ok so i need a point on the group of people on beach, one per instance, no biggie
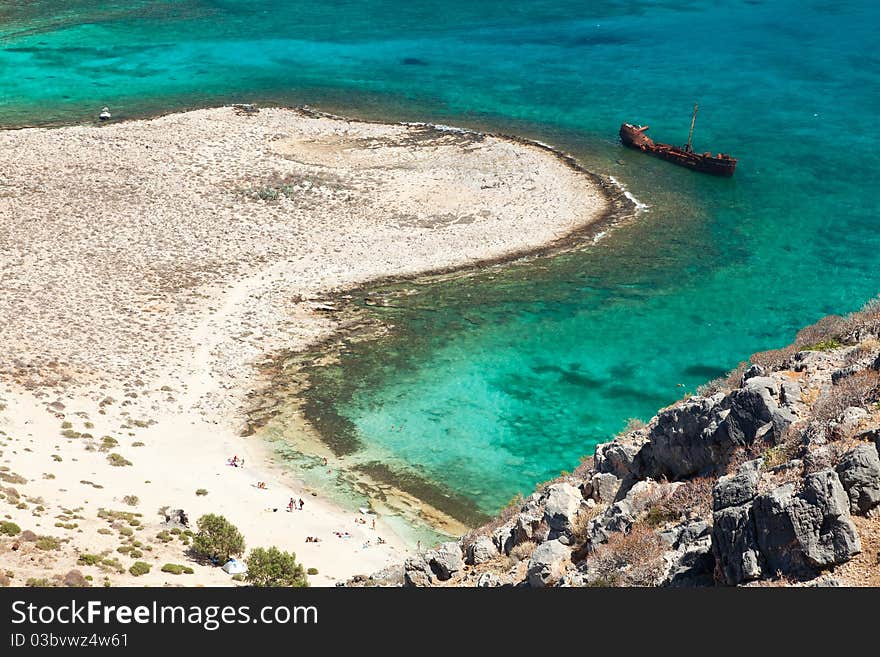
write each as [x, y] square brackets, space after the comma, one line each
[298, 504]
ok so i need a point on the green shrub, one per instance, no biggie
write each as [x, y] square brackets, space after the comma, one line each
[89, 559]
[177, 569]
[111, 564]
[312, 571]
[42, 582]
[201, 492]
[48, 543]
[131, 500]
[117, 460]
[217, 538]
[9, 528]
[823, 345]
[272, 567]
[12, 478]
[139, 568]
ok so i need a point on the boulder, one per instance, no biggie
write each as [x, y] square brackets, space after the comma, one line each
[682, 439]
[481, 550]
[488, 580]
[503, 537]
[445, 561]
[693, 565]
[547, 563]
[416, 572]
[802, 532]
[615, 458]
[752, 408]
[604, 487]
[753, 371]
[739, 488]
[644, 494]
[561, 506]
[528, 526]
[859, 473]
[790, 392]
[735, 545]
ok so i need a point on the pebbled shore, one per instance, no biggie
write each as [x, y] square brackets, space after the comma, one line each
[149, 268]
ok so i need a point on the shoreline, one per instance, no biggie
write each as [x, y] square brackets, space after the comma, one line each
[212, 361]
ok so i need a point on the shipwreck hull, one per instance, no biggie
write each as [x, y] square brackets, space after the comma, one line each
[716, 165]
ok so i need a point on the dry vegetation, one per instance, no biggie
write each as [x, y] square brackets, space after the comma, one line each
[634, 558]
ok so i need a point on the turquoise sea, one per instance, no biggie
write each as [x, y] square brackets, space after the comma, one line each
[495, 382]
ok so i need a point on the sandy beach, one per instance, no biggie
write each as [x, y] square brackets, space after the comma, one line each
[149, 268]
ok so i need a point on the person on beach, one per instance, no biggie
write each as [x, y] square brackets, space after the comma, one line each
[290, 505]
[301, 504]
[233, 461]
[325, 461]
[374, 524]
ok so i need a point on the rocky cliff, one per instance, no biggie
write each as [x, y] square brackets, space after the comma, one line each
[770, 476]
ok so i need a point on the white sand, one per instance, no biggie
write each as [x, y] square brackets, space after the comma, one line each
[143, 279]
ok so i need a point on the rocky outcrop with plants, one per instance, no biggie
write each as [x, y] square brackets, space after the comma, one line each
[768, 477]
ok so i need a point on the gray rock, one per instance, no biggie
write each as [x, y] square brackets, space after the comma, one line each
[561, 506]
[751, 409]
[844, 372]
[547, 563]
[615, 458]
[686, 533]
[416, 572]
[739, 488]
[488, 580]
[859, 473]
[810, 530]
[691, 566]
[852, 416]
[481, 550]
[529, 526]
[735, 546]
[503, 537]
[752, 372]
[604, 486]
[641, 495]
[811, 361]
[445, 561]
[790, 392]
[682, 440]
[691, 532]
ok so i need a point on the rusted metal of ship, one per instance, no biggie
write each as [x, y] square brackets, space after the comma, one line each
[718, 165]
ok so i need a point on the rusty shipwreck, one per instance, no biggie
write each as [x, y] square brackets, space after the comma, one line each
[718, 165]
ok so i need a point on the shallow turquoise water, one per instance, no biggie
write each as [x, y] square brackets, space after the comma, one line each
[501, 383]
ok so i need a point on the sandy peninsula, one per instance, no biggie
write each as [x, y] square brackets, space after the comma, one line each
[148, 268]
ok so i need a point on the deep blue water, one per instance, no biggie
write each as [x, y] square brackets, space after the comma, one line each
[501, 383]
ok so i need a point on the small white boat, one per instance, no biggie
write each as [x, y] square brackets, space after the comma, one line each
[105, 114]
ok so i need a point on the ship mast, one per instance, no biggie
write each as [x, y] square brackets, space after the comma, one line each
[691, 133]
